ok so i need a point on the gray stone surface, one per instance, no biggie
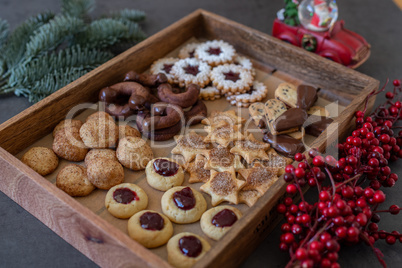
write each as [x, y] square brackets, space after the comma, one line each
[24, 241]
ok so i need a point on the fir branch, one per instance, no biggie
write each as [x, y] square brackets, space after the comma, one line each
[134, 32]
[72, 57]
[4, 31]
[103, 33]
[51, 35]
[15, 45]
[54, 81]
[129, 14]
[77, 8]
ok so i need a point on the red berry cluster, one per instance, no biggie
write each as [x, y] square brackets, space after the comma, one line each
[349, 190]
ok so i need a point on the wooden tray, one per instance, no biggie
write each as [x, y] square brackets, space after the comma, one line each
[99, 239]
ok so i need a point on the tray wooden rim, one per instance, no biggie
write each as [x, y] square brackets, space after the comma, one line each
[256, 217]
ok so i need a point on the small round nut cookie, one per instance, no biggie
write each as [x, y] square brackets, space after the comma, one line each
[216, 221]
[99, 116]
[183, 204]
[150, 228]
[134, 153]
[94, 154]
[67, 124]
[102, 133]
[164, 173]
[105, 173]
[73, 180]
[68, 145]
[126, 199]
[185, 249]
[128, 131]
[41, 159]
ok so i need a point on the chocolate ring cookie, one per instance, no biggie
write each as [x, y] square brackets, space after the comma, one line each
[159, 134]
[196, 114]
[184, 100]
[163, 115]
[148, 80]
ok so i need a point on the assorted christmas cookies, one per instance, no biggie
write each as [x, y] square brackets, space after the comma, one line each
[41, 159]
[150, 228]
[215, 52]
[164, 173]
[183, 204]
[126, 199]
[73, 180]
[217, 221]
[185, 249]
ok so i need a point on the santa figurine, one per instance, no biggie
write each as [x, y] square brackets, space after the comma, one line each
[321, 20]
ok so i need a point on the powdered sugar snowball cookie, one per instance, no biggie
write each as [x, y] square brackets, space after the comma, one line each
[150, 228]
[126, 199]
[191, 71]
[210, 93]
[41, 159]
[73, 180]
[231, 78]
[188, 50]
[215, 52]
[134, 153]
[183, 204]
[217, 221]
[245, 63]
[164, 173]
[164, 66]
[185, 249]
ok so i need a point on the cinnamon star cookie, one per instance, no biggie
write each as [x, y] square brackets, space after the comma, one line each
[223, 186]
[223, 134]
[221, 159]
[197, 171]
[217, 117]
[276, 161]
[259, 178]
[189, 145]
[250, 149]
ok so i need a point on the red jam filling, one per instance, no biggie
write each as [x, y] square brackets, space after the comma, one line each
[165, 167]
[250, 91]
[224, 218]
[167, 68]
[232, 76]
[191, 54]
[214, 51]
[189, 69]
[152, 221]
[184, 199]
[124, 196]
[190, 246]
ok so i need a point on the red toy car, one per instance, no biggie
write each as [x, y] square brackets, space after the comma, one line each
[337, 44]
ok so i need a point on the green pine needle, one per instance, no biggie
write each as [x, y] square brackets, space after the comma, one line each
[129, 14]
[77, 8]
[4, 31]
[48, 52]
[52, 34]
[16, 43]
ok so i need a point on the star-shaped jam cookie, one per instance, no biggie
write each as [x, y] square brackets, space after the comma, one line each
[223, 186]
[217, 118]
[221, 159]
[259, 178]
[251, 149]
[223, 134]
[189, 145]
[249, 197]
[276, 161]
[197, 171]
